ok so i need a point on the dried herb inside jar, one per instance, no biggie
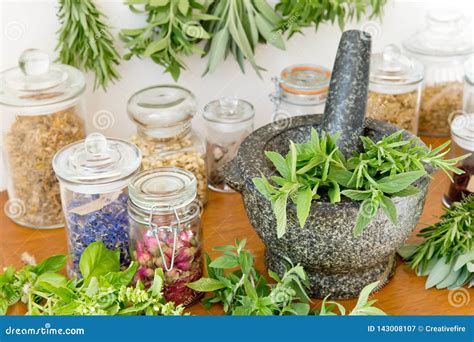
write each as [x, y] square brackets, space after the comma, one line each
[437, 103]
[397, 109]
[30, 146]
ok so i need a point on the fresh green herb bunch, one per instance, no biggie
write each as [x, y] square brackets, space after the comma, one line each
[244, 291]
[173, 30]
[103, 290]
[304, 13]
[383, 170]
[15, 286]
[85, 41]
[446, 255]
[242, 26]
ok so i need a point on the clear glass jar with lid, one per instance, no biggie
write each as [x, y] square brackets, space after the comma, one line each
[300, 90]
[442, 46]
[228, 122]
[395, 88]
[94, 175]
[462, 136]
[468, 93]
[166, 230]
[163, 115]
[41, 113]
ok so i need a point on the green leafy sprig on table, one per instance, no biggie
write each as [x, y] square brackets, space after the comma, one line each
[104, 289]
[85, 41]
[382, 171]
[242, 26]
[242, 290]
[446, 254]
[173, 29]
[298, 14]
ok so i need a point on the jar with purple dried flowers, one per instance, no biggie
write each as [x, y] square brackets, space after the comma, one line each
[94, 174]
[166, 230]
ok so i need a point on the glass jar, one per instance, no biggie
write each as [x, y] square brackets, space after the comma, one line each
[165, 136]
[468, 93]
[41, 113]
[166, 230]
[300, 90]
[395, 88]
[442, 46]
[462, 135]
[228, 122]
[94, 175]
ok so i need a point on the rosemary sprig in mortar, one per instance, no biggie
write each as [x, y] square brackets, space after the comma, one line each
[85, 41]
[383, 170]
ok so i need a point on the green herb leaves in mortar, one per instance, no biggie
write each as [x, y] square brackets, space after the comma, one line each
[382, 171]
[104, 290]
[242, 26]
[446, 255]
[304, 13]
[173, 29]
[242, 290]
[85, 41]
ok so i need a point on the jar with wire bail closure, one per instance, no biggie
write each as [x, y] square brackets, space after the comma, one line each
[300, 90]
[166, 230]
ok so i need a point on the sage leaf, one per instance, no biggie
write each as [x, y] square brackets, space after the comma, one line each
[439, 272]
[266, 30]
[397, 183]
[463, 259]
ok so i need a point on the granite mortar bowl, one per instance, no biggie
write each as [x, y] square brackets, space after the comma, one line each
[338, 263]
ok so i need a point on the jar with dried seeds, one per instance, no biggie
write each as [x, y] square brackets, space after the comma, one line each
[94, 175]
[163, 115]
[41, 113]
[395, 88]
[442, 46]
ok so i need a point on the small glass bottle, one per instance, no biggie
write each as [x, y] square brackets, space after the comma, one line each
[300, 90]
[442, 46]
[462, 135]
[94, 175]
[42, 112]
[395, 88]
[228, 121]
[166, 230]
[165, 136]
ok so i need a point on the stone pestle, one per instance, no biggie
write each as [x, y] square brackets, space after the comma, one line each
[347, 99]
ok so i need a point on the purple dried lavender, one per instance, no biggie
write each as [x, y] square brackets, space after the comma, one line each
[109, 224]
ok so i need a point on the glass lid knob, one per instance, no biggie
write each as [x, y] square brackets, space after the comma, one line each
[229, 105]
[34, 62]
[95, 144]
[391, 58]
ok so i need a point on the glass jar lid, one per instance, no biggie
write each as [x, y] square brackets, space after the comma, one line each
[391, 67]
[305, 79]
[162, 110]
[165, 187]
[462, 130]
[469, 70]
[38, 83]
[229, 114]
[96, 160]
[447, 33]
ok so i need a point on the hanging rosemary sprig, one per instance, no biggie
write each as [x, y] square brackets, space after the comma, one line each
[85, 41]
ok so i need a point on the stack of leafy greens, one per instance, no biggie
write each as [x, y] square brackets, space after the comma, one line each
[446, 255]
[103, 290]
[245, 291]
[382, 171]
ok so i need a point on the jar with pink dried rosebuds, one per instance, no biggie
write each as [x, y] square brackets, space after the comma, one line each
[165, 230]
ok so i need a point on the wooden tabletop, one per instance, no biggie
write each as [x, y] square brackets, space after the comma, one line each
[224, 220]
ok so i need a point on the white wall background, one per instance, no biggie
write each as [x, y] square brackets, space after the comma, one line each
[33, 24]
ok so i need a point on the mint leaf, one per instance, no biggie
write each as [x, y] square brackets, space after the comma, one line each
[357, 195]
[225, 261]
[397, 183]
[279, 208]
[367, 211]
[206, 285]
[279, 163]
[389, 209]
